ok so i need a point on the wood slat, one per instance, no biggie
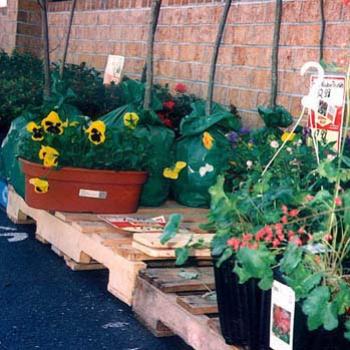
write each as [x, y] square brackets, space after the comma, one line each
[95, 227]
[197, 305]
[170, 253]
[152, 240]
[169, 281]
[70, 217]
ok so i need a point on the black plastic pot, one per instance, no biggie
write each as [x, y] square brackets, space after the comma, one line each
[244, 313]
[242, 309]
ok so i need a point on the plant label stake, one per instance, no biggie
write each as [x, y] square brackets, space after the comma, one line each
[326, 120]
[308, 102]
[282, 317]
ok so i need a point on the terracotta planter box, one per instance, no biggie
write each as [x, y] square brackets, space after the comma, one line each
[84, 190]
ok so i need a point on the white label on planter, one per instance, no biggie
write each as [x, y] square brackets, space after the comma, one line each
[282, 317]
[92, 194]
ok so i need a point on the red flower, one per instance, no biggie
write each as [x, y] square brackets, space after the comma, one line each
[309, 197]
[284, 209]
[253, 246]
[301, 230]
[169, 104]
[260, 234]
[291, 234]
[247, 237]
[294, 212]
[328, 237]
[276, 242]
[279, 226]
[180, 88]
[167, 122]
[346, 2]
[234, 243]
[297, 241]
[284, 219]
[338, 201]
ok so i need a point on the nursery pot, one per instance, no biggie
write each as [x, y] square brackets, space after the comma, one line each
[244, 313]
[242, 309]
[84, 190]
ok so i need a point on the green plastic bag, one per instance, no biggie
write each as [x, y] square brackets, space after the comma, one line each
[160, 141]
[9, 164]
[205, 150]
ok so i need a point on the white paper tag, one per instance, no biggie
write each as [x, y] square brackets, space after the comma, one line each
[114, 69]
[282, 317]
[92, 194]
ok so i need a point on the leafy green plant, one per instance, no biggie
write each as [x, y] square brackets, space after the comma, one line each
[21, 85]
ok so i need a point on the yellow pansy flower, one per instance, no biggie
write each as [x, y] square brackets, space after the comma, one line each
[131, 120]
[173, 173]
[40, 186]
[288, 136]
[49, 156]
[207, 140]
[36, 130]
[96, 132]
[53, 124]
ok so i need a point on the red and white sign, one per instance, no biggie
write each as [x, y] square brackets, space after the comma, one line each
[327, 121]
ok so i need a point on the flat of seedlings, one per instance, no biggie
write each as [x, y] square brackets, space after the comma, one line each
[86, 242]
[178, 301]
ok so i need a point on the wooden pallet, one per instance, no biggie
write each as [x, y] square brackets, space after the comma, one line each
[168, 303]
[86, 242]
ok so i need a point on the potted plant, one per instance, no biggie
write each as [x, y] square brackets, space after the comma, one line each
[76, 164]
[244, 205]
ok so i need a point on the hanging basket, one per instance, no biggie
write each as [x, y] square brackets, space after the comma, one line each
[83, 190]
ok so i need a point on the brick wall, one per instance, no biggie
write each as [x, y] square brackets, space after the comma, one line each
[184, 39]
[29, 26]
[20, 26]
[8, 26]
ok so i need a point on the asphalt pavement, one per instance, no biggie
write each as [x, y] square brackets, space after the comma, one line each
[45, 305]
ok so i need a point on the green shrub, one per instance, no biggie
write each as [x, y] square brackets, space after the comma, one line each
[21, 85]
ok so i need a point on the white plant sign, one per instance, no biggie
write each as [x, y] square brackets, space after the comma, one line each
[114, 69]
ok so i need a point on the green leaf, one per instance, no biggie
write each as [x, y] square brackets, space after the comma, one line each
[256, 264]
[319, 310]
[224, 256]
[291, 258]
[302, 281]
[182, 255]
[188, 275]
[346, 201]
[328, 170]
[171, 228]
[342, 298]
[347, 327]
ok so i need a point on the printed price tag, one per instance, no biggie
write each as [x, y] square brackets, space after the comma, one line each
[282, 317]
[326, 122]
[92, 194]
